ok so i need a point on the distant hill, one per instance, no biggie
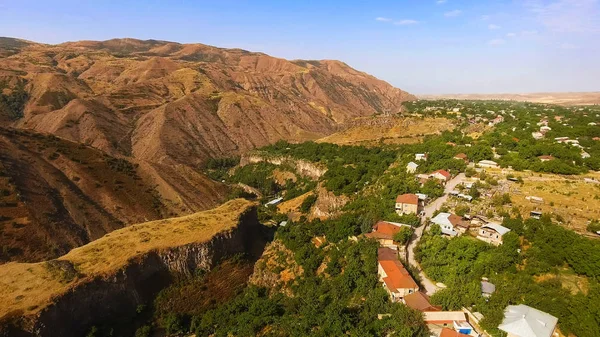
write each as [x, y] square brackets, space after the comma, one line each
[562, 98]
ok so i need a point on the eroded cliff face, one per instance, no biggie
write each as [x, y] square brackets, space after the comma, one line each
[302, 167]
[110, 298]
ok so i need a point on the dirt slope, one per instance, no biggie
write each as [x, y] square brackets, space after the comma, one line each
[56, 195]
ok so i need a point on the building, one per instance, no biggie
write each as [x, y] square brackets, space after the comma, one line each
[384, 232]
[545, 158]
[420, 301]
[492, 233]
[525, 321]
[407, 204]
[411, 167]
[462, 156]
[274, 202]
[487, 289]
[585, 155]
[395, 278]
[420, 156]
[441, 175]
[537, 135]
[444, 318]
[451, 333]
[488, 164]
[448, 223]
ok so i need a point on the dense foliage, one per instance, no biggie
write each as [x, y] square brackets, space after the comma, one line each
[533, 276]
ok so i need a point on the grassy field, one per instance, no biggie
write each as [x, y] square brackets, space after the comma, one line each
[570, 198]
[26, 288]
[370, 131]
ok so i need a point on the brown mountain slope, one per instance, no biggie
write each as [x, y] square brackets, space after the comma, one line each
[56, 195]
[164, 106]
[167, 102]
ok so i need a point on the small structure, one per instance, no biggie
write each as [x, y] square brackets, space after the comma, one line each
[535, 215]
[395, 278]
[283, 224]
[420, 301]
[525, 321]
[411, 167]
[462, 156]
[534, 199]
[441, 175]
[274, 202]
[445, 318]
[492, 233]
[465, 196]
[545, 158]
[421, 156]
[537, 135]
[452, 333]
[585, 155]
[384, 232]
[488, 164]
[487, 289]
[448, 223]
[422, 197]
[407, 204]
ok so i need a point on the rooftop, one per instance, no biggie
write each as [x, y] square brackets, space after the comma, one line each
[496, 227]
[419, 301]
[408, 198]
[525, 321]
[452, 333]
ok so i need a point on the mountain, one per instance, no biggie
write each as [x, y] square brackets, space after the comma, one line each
[159, 110]
[167, 102]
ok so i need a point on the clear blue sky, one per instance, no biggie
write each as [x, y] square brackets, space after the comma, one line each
[423, 46]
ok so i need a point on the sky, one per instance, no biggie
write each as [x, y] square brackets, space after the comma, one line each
[422, 46]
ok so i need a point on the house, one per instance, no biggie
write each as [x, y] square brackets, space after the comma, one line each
[596, 138]
[488, 163]
[462, 156]
[487, 289]
[444, 318]
[420, 156]
[441, 175]
[411, 167]
[592, 123]
[407, 204]
[448, 223]
[492, 233]
[537, 135]
[525, 321]
[545, 129]
[384, 232]
[465, 196]
[545, 158]
[585, 155]
[452, 333]
[561, 139]
[395, 278]
[420, 301]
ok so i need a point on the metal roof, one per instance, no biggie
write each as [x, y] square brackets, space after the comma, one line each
[497, 227]
[525, 321]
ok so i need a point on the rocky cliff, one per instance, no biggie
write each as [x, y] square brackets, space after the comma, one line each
[91, 286]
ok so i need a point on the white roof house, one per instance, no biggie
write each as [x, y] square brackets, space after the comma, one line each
[497, 227]
[274, 202]
[487, 163]
[525, 321]
[411, 167]
[444, 220]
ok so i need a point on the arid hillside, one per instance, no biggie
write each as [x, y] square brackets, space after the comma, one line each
[157, 110]
[166, 102]
[56, 195]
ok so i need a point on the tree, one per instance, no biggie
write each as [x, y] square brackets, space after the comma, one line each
[435, 229]
[308, 203]
[404, 235]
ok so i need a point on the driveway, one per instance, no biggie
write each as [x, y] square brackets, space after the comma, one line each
[430, 287]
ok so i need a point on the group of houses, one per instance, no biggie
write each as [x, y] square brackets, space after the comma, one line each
[454, 225]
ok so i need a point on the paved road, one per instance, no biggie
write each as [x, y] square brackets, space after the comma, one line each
[430, 287]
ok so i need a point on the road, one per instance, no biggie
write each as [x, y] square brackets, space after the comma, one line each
[430, 287]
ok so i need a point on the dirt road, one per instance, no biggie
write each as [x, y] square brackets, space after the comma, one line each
[430, 287]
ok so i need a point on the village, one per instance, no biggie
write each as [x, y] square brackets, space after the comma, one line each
[519, 320]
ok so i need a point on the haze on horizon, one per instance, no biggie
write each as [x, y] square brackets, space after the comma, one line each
[424, 47]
